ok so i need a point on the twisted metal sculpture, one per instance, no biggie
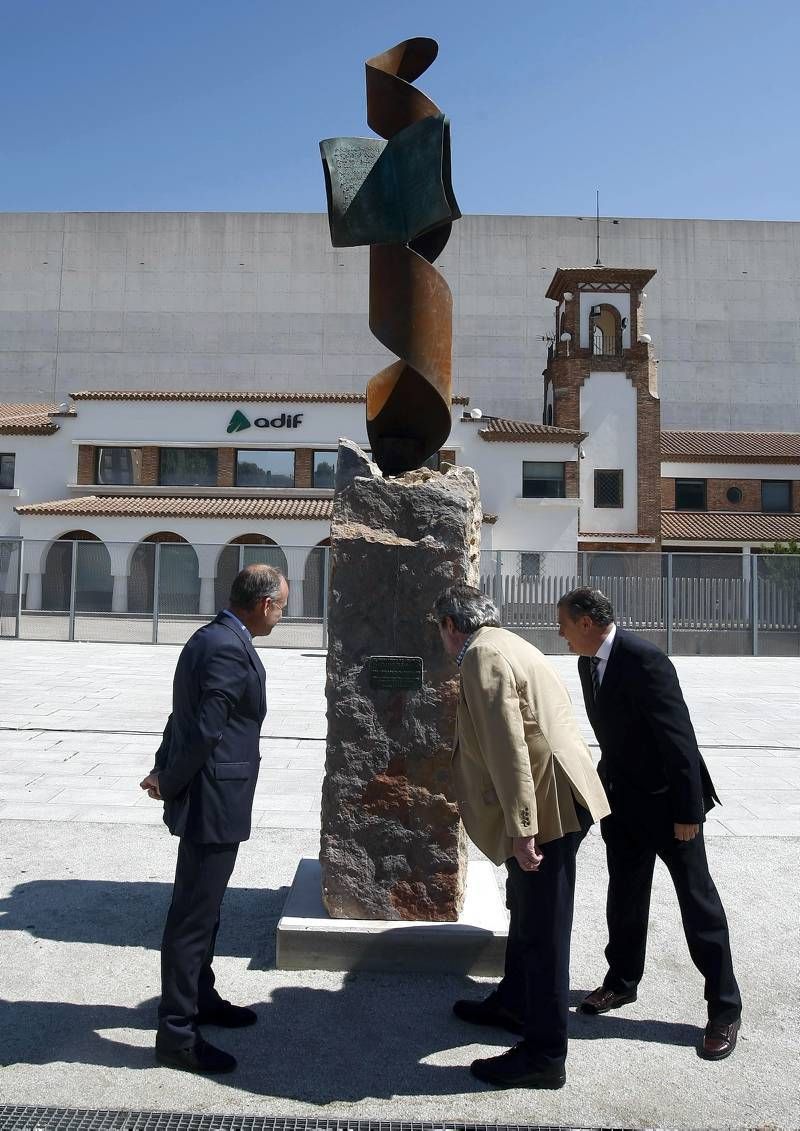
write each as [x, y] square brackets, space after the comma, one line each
[396, 195]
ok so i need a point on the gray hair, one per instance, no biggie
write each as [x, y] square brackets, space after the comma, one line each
[468, 608]
[588, 602]
[253, 584]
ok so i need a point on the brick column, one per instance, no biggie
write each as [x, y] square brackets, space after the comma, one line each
[226, 467]
[150, 464]
[304, 467]
[86, 469]
[571, 484]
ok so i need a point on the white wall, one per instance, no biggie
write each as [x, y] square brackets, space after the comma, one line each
[608, 414]
[46, 466]
[205, 423]
[524, 524]
[43, 466]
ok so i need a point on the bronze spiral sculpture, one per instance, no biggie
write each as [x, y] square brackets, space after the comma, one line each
[396, 195]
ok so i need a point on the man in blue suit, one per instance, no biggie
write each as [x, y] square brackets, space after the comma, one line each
[205, 772]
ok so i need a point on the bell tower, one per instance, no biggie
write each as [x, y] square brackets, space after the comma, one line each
[601, 379]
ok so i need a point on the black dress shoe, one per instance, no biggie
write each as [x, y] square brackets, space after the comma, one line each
[601, 1000]
[488, 1012]
[201, 1057]
[227, 1015]
[718, 1040]
[513, 1069]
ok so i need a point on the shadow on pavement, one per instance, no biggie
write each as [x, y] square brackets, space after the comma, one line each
[372, 1037]
[111, 913]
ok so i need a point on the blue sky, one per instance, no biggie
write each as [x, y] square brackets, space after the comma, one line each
[686, 108]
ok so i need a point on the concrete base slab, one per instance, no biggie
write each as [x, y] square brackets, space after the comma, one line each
[309, 939]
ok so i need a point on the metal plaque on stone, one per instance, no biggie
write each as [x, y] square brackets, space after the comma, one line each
[395, 673]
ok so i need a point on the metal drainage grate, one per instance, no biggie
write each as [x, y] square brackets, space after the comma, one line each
[19, 1117]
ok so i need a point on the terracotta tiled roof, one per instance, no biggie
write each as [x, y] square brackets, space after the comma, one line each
[731, 447]
[726, 526]
[265, 397]
[567, 278]
[521, 431]
[27, 419]
[150, 506]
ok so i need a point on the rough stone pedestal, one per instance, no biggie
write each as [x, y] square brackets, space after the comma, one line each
[392, 845]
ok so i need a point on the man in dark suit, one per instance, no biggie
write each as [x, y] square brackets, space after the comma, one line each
[205, 772]
[659, 790]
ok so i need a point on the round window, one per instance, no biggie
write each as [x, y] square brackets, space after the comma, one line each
[734, 495]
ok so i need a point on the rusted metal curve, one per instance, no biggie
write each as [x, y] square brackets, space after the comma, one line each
[397, 197]
[410, 305]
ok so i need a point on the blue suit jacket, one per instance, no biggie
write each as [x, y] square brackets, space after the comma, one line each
[209, 757]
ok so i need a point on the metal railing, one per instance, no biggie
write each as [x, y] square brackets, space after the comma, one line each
[159, 592]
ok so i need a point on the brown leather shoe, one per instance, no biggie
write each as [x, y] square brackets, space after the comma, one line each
[718, 1040]
[601, 1000]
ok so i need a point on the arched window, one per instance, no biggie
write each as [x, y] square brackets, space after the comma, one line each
[240, 552]
[314, 581]
[93, 581]
[178, 575]
[605, 330]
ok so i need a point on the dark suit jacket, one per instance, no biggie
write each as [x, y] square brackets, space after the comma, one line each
[209, 757]
[650, 765]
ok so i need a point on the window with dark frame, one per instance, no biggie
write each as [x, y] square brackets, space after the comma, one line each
[324, 470]
[265, 468]
[608, 488]
[187, 467]
[7, 464]
[776, 495]
[690, 494]
[530, 565]
[543, 480]
[118, 467]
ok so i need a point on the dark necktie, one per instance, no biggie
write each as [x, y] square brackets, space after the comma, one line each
[595, 669]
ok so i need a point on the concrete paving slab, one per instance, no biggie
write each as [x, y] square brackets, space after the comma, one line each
[82, 913]
[78, 961]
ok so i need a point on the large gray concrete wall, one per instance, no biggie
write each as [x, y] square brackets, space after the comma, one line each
[262, 301]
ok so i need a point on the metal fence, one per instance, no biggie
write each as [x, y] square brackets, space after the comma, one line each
[160, 591]
[687, 603]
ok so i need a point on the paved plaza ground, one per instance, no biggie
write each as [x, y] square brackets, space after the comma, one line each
[85, 873]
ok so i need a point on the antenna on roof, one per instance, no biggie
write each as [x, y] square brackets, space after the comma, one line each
[597, 225]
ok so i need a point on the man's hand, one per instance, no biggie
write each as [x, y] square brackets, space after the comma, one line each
[685, 832]
[527, 854]
[150, 783]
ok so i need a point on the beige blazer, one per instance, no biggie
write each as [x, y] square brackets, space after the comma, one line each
[518, 757]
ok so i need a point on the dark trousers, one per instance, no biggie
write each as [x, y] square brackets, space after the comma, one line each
[535, 984]
[190, 934]
[631, 859]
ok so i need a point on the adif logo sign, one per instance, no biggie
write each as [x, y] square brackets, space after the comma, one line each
[238, 422]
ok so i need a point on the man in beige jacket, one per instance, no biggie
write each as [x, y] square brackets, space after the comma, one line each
[528, 792]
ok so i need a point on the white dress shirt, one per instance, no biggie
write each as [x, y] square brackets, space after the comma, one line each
[603, 652]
